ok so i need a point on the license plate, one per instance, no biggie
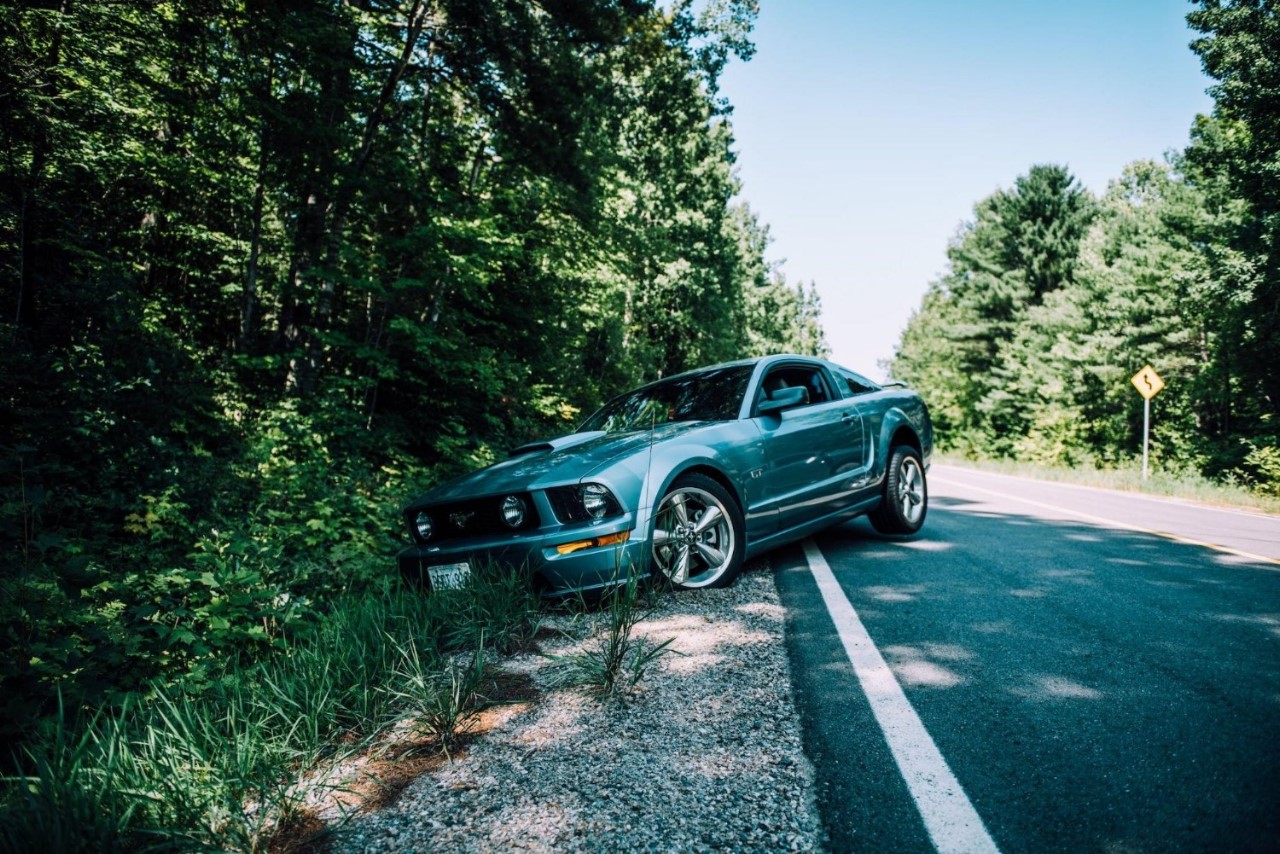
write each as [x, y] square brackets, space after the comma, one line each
[449, 576]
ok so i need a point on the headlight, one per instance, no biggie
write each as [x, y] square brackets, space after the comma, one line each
[595, 500]
[587, 502]
[423, 525]
[513, 511]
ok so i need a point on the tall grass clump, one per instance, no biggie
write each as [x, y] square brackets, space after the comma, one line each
[614, 661]
[66, 799]
[499, 604]
[440, 698]
[231, 762]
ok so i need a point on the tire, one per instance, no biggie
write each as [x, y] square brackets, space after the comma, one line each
[906, 494]
[697, 535]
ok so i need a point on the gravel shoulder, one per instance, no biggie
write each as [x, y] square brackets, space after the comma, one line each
[705, 753]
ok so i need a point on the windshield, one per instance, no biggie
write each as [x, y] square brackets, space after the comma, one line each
[714, 395]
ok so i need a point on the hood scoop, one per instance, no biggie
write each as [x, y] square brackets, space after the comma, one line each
[558, 443]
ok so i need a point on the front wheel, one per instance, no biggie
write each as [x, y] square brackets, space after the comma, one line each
[906, 494]
[697, 534]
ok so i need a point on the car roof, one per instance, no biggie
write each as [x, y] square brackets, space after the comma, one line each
[757, 360]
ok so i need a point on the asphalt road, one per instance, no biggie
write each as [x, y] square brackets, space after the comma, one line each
[1084, 682]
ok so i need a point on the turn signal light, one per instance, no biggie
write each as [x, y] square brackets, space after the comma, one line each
[606, 540]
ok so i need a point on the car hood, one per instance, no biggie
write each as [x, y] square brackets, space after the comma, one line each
[564, 459]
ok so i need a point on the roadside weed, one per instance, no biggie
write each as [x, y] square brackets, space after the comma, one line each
[615, 661]
[439, 699]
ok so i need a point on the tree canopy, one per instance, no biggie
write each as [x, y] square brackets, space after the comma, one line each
[271, 265]
[1053, 298]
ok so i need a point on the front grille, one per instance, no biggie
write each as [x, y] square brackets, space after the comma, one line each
[473, 518]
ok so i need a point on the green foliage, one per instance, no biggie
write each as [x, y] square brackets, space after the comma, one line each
[268, 268]
[1262, 465]
[1011, 262]
[1025, 347]
[226, 764]
[1054, 300]
[440, 699]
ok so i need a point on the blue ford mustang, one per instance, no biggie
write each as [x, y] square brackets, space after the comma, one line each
[688, 477]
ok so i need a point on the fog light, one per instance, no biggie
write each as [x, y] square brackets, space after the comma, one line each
[424, 525]
[513, 511]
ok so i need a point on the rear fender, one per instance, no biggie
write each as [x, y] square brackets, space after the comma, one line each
[897, 428]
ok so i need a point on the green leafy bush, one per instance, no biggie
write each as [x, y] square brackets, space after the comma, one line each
[226, 761]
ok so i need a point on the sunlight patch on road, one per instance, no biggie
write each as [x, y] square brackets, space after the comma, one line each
[1080, 576]
[894, 593]
[919, 673]
[1057, 688]
[925, 545]
[1084, 538]
[1269, 622]
[918, 666]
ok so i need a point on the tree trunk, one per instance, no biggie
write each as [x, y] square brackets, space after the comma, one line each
[247, 318]
[31, 264]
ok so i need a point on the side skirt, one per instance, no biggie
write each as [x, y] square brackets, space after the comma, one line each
[791, 535]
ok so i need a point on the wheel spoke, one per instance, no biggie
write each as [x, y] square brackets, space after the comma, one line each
[661, 537]
[713, 556]
[678, 508]
[681, 573]
[712, 516]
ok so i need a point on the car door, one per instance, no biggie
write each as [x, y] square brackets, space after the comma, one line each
[868, 399]
[812, 450]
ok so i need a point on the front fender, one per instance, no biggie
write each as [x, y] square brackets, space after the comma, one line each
[641, 479]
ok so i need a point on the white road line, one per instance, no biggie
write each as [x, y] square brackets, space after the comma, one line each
[1113, 523]
[949, 817]
[1128, 494]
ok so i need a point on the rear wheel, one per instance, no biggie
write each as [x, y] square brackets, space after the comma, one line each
[697, 534]
[906, 494]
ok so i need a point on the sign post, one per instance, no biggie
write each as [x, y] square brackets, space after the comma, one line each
[1148, 384]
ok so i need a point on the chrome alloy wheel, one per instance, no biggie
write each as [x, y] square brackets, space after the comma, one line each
[693, 538]
[911, 493]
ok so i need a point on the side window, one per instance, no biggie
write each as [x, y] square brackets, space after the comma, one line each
[855, 385]
[790, 376]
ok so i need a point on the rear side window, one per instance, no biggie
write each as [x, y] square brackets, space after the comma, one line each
[854, 385]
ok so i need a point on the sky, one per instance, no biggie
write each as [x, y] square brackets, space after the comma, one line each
[866, 132]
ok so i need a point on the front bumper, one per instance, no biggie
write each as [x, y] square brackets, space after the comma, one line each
[553, 574]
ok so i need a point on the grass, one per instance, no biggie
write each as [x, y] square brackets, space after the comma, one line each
[1185, 485]
[441, 700]
[614, 661]
[233, 764]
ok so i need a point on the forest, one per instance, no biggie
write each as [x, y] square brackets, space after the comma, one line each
[272, 266]
[1053, 298]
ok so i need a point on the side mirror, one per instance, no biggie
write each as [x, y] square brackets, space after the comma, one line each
[784, 398]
